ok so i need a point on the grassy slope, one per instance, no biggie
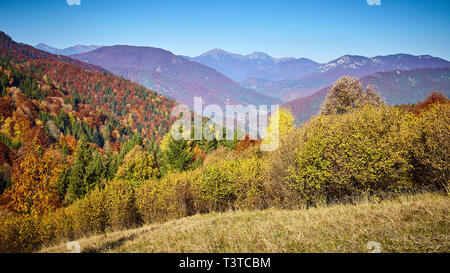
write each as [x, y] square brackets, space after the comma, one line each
[419, 223]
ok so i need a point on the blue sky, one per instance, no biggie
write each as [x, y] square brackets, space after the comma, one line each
[318, 29]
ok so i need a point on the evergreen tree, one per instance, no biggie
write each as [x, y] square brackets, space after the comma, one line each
[178, 155]
[94, 171]
[154, 149]
[63, 183]
[111, 164]
[77, 181]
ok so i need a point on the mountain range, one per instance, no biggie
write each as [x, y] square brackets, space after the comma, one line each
[222, 77]
[77, 49]
[326, 74]
[173, 76]
[395, 87]
[256, 65]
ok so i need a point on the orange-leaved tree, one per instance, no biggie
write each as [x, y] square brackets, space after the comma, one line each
[34, 177]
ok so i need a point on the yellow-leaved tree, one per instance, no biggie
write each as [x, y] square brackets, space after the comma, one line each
[286, 124]
[138, 165]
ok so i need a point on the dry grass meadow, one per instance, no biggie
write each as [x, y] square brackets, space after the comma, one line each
[415, 223]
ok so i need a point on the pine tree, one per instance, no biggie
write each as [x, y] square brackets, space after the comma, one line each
[94, 172]
[111, 164]
[177, 155]
[78, 186]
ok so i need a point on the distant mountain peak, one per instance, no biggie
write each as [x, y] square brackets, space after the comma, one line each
[257, 55]
[24, 52]
[77, 49]
[46, 47]
[258, 65]
[42, 44]
[215, 52]
[172, 75]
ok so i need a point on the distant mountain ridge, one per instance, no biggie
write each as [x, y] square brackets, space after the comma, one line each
[222, 77]
[256, 65]
[351, 65]
[396, 87]
[77, 49]
[24, 52]
[172, 75]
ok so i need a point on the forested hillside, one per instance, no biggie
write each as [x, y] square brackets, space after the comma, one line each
[357, 148]
[65, 129]
[23, 52]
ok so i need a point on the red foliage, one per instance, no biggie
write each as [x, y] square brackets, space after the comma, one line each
[23, 52]
[245, 144]
[4, 154]
[432, 99]
[150, 110]
[37, 136]
[6, 108]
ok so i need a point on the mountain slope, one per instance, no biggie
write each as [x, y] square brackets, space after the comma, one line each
[23, 52]
[256, 65]
[112, 107]
[77, 49]
[172, 75]
[355, 66]
[396, 87]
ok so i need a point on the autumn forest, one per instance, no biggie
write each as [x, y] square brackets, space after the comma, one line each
[84, 152]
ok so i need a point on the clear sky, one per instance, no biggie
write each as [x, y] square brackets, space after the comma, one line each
[318, 29]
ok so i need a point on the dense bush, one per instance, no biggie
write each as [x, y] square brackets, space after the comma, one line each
[20, 234]
[365, 151]
[138, 165]
[281, 188]
[218, 184]
[233, 184]
[174, 196]
[431, 152]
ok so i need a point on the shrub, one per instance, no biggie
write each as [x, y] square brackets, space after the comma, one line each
[219, 155]
[365, 151]
[138, 165]
[431, 153]
[121, 205]
[218, 185]
[174, 196]
[280, 165]
[285, 121]
[90, 213]
[233, 184]
[20, 233]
